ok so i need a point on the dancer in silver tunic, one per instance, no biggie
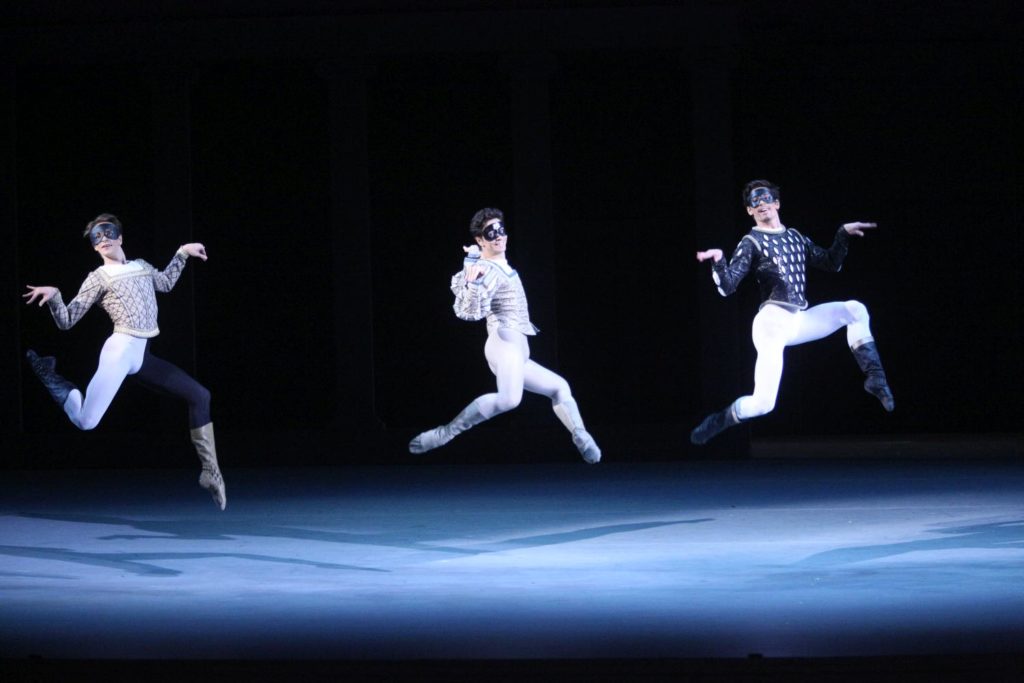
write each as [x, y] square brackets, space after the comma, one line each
[126, 291]
[778, 255]
[488, 287]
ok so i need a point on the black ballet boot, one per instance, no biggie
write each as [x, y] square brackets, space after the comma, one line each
[876, 383]
[45, 369]
[714, 424]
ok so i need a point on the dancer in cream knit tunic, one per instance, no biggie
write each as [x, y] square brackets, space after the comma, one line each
[126, 290]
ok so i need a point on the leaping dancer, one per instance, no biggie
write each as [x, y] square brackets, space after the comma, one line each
[778, 256]
[126, 290]
[488, 287]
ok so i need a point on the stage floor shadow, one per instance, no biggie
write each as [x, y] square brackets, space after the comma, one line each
[657, 561]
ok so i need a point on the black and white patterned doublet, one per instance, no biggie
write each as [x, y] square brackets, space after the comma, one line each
[779, 260]
[497, 295]
[127, 292]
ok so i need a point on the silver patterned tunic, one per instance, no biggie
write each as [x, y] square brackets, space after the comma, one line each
[125, 291]
[497, 295]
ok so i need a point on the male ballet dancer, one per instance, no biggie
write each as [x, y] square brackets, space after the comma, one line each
[488, 287]
[126, 290]
[778, 256]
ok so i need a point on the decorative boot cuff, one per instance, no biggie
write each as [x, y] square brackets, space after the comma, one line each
[861, 342]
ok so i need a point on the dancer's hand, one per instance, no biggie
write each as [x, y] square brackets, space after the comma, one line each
[710, 253]
[44, 294]
[194, 249]
[474, 271]
[857, 228]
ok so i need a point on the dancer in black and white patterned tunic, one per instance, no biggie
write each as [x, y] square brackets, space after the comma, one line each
[488, 287]
[778, 256]
[126, 290]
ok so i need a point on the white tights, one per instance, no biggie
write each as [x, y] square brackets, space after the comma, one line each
[775, 328]
[508, 355]
[121, 356]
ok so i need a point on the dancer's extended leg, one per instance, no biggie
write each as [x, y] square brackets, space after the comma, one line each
[506, 352]
[540, 380]
[122, 355]
[820, 321]
[772, 328]
[772, 331]
[166, 378]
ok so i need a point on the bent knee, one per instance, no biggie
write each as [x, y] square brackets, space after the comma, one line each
[857, 311]
[507, 403]
[756, 407]
[562, 393]
[86, 424]
[202, 396]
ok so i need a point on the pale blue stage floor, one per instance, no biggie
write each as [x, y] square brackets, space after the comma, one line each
[775, 558]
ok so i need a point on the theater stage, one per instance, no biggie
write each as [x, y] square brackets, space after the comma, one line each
[722, 562]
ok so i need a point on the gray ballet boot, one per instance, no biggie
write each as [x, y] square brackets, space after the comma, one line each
[210, 478]
[569, 414]
[439, 436]
[714, 424]
[875, 383]
[45, 369]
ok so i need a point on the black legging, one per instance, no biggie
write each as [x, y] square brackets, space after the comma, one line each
[167, 378]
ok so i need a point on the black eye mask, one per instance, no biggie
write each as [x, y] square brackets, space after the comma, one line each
[761, 195]
[494, 231]
[101, 230]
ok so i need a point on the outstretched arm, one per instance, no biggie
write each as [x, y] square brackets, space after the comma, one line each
[67, 316]
[164, 281]
[831, 259]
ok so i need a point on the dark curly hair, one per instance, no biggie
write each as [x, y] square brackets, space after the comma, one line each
[476, 224]
[102, 218]
[754, 184]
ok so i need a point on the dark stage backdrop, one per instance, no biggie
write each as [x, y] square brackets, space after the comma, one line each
[330, 160]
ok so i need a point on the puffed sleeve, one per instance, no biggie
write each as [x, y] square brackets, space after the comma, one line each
[727, 276]
[88, 294]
